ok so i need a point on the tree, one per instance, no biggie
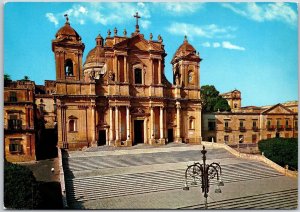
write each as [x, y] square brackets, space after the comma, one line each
[283, 151]
[221, 105]
[20, 187]
[26, 78]
[7, 79]
[211, 101]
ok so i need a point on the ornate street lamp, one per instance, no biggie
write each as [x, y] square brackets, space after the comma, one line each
[204, 173]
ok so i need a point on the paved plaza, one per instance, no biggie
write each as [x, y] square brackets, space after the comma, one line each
[147, 177]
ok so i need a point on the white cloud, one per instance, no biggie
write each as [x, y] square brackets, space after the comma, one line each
[52, 18]
[104, 13]
[228, 45]
[224, 44]
[206, 44]
[178, 7]
[216, 44]
[208, 31]
[145, 24]
[278, 11]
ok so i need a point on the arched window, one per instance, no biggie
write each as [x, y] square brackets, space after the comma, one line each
[138, 76]
[69, 67]
[192, 123]
[72, 125]
[235, 105]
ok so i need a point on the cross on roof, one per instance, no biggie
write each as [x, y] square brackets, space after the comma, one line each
[137, 21]
[67, 18]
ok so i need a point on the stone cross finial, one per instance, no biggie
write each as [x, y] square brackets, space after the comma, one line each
[137, 21]
[125, 32]
[67, 18]
[108, 33]
[185, 38]
[115, 31]
[151, 36]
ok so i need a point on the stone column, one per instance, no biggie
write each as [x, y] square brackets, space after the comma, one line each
[152, 70]
[128, 123]
[159, 72]
[161, 123]
[117, 124]
[178, 138]
[116, 68]
[125, 69]
[111, 132]
[94, 143]
[151, 124]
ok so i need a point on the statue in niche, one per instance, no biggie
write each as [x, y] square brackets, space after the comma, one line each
[177, 79]
[111, 76]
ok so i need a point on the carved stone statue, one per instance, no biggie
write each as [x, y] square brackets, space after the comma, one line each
[111, 76]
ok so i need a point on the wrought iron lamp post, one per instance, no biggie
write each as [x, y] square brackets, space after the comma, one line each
[204, 173]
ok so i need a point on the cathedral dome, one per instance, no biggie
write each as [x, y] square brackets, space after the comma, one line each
[67, 32]
[97, 54]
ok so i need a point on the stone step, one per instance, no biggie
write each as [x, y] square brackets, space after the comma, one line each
[273, 200]
[120, 184]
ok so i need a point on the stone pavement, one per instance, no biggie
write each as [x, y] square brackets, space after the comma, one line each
[146, 177]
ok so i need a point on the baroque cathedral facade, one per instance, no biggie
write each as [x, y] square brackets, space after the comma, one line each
[120, 95]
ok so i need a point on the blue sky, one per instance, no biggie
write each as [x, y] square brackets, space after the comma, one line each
[252, 47]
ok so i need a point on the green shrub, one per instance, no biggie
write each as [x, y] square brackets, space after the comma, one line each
[283, 151]
[20, 187]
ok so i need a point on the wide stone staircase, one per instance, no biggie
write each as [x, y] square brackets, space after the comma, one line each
[105, 186]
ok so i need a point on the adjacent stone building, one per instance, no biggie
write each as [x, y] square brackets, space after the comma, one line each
[250, 124]
[120, 95]
[19, 120]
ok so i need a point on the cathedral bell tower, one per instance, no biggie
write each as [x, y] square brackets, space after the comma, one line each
[68, 49]
[185, 64]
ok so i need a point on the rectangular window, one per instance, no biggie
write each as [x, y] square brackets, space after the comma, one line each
[241, 124]
[15, 146]
[138, 76]
[226, 124]
[254, 124]
[254, 138]
[14, 123]
[226, 139]
[12, 96]
[296, 125]
[211, 125]
[268, 135]
[241, 139]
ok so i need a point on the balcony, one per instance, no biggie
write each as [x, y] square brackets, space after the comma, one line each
[255, 129]
[270, 127]
[227, 129]
[279, 127]
[242, 129]
[288, 127]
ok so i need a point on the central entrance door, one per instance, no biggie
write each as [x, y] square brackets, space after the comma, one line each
[101, 138]
[138, 131]
[170, 135]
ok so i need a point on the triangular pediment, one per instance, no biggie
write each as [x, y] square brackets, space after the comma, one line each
[136, 42]
[277, 109]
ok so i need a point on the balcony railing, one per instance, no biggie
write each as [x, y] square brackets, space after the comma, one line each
[227, 129]
[279, 127]
[255, 129]
[288, 127]
[242, 129]
[270, 127]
